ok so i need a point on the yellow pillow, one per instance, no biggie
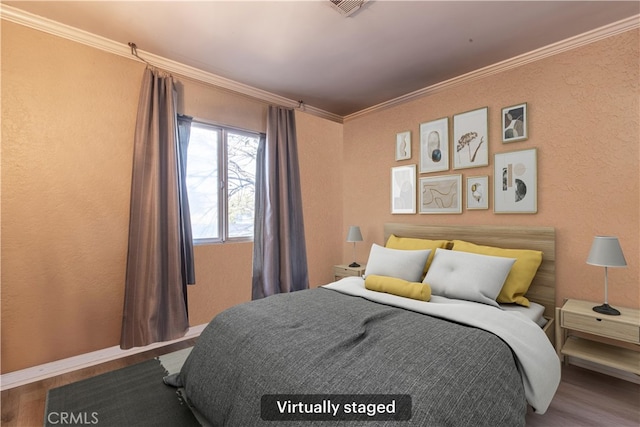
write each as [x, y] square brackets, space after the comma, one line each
[413, 244]
[521, 274]
[399, 287]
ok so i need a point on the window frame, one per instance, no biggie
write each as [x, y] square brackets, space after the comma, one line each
[223, 187]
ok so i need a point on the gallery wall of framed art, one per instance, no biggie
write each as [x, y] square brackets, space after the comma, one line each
[444, 146]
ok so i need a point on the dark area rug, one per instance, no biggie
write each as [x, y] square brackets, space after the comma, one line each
[131, 396]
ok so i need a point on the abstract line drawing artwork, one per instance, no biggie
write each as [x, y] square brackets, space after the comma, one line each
[403, 146]
[515, 176]
[471, 139]
[441, 194]
[514, 123]
[478, 192]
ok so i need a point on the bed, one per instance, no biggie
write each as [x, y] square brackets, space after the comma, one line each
[343, 354]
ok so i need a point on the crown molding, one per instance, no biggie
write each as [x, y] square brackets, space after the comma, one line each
[39, 23]
[49, 26]
[598, 34]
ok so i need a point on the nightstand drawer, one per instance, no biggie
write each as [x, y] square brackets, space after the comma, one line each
[343, 270]
[601, 326]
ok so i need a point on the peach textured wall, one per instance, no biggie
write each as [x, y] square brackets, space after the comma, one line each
[321, 169]
[68, 117]
[68, 114]
[583, 119]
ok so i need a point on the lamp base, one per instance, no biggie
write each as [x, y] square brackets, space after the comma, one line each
[354, 264]
[606, 309]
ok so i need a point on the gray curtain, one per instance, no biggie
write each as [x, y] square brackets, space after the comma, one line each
[155, 293]
[279, 251]
[186, 237]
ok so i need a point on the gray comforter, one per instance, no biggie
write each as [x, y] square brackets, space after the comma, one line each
[320, 341]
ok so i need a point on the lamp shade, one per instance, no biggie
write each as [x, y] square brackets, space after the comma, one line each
[354, 234]
[606, 252]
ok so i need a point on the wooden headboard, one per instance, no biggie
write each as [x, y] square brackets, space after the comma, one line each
[543, 287]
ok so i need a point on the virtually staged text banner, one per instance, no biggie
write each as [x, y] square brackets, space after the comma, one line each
[331, 407]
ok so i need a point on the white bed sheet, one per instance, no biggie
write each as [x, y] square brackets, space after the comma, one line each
[534, 312]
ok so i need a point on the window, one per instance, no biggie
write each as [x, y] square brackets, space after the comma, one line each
[221, 174]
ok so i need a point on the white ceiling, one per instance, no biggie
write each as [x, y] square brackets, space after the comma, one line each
[306, 50]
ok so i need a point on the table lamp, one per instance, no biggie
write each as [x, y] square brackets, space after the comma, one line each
[354, 236]
[606, 252]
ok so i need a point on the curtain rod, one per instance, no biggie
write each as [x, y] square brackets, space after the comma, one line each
[134, 52]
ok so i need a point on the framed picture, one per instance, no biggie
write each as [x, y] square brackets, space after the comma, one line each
[514, 123]
[515, 187]
[403, 189]
[471, 139]
[441, 194]
[434, 146]
[477, 192]
[403, 145]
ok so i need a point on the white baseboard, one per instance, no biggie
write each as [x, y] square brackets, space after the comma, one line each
[613, 372]
[51, 369]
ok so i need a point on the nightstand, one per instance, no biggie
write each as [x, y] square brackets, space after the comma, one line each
[578, 316]
[343, 270]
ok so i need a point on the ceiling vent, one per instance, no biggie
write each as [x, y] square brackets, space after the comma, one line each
[347, 7]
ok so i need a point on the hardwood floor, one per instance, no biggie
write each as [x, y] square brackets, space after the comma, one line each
[24, 406]
[584, 398]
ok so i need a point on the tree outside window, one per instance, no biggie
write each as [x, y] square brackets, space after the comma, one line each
[221, 171]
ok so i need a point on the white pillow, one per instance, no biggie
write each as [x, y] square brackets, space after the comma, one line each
[402, 264]
[468, 276]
